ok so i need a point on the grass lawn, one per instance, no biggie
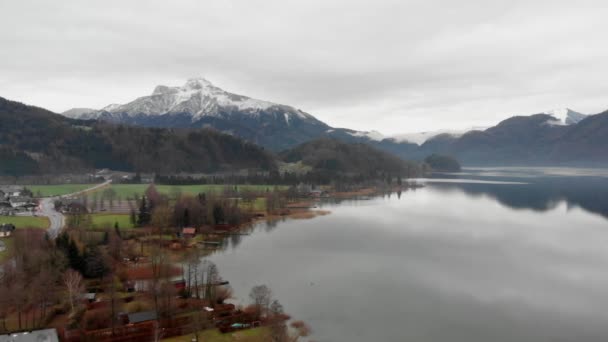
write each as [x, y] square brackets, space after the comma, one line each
[129, 190]
[57, 190]
[20, 222]
[108, 220]
[8, 243]
[259, 204]
[26, 221]
[214, 335]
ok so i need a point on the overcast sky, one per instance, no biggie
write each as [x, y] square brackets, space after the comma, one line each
[388, 65]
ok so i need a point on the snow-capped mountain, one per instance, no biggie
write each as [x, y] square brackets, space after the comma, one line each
[566, 116]
[197, 98]
[199, 103]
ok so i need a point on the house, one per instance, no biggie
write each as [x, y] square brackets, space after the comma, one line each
[188, 233]
[6, 229]
[140, 317]
[20, 201]
[46, 335]
[89, 297]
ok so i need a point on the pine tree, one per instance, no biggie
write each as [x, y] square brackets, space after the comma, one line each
[74, 257]
[133, 218]
[117, 229]
[144, 213]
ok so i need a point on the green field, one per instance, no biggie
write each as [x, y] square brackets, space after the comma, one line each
[130, 190]
[26, 221]
[108, 220]
[20, 222]
[57, 190]
[8, 242]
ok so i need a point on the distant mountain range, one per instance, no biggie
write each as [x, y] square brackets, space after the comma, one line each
[540, 139]
[36, 141]
[558, 137]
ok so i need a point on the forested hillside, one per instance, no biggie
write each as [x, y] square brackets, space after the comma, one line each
[355, 159]
[34, 140]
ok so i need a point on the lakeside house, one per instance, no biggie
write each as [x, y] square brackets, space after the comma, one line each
[188, 233]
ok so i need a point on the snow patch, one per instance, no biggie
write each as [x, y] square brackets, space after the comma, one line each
[565, 116]
[421, 137]
[372, 135]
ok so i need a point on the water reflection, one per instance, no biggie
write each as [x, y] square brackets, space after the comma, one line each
[540, 193]
[448, 262]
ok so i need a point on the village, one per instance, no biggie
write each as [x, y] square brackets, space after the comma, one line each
[141, 274]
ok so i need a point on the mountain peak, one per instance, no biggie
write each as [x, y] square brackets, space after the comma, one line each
[198, 83]
[566, 116]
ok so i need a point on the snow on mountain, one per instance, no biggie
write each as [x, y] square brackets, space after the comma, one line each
[421, 137]
[198, 103]
[198, 98]
[566, 116]
[372, 135]
[77, 112]
[111, 107]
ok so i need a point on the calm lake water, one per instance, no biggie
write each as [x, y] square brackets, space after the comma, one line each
[522, 259]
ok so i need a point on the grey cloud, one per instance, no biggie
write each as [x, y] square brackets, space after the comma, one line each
[385, 65]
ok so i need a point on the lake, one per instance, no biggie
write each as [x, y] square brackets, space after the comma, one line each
[495, 254]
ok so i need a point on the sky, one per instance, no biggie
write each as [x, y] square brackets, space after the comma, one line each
[394, 66]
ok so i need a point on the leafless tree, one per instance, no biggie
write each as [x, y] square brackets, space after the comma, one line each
[260, 296]
[74, 286]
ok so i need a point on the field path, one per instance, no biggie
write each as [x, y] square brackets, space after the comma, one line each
[57, 219]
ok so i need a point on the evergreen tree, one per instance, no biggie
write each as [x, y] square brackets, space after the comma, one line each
[133, 218]
[218, 214]
[117, 229]
[74, 258]
[144, 213]
[186, 218]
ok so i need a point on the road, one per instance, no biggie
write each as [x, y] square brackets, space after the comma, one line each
[57, 219]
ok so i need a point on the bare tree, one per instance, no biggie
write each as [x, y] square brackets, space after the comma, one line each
[261, 296]
[74, 285]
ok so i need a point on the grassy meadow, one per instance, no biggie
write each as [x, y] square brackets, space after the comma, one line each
[57, 190]
[108, 221]
[26, 221]
[20, 222]
[131, 190]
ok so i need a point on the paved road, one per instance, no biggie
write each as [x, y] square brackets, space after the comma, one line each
[47, 208]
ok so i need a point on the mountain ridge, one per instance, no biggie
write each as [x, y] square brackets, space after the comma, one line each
[35, 140]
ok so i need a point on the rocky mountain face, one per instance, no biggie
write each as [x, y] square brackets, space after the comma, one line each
[199, 103]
